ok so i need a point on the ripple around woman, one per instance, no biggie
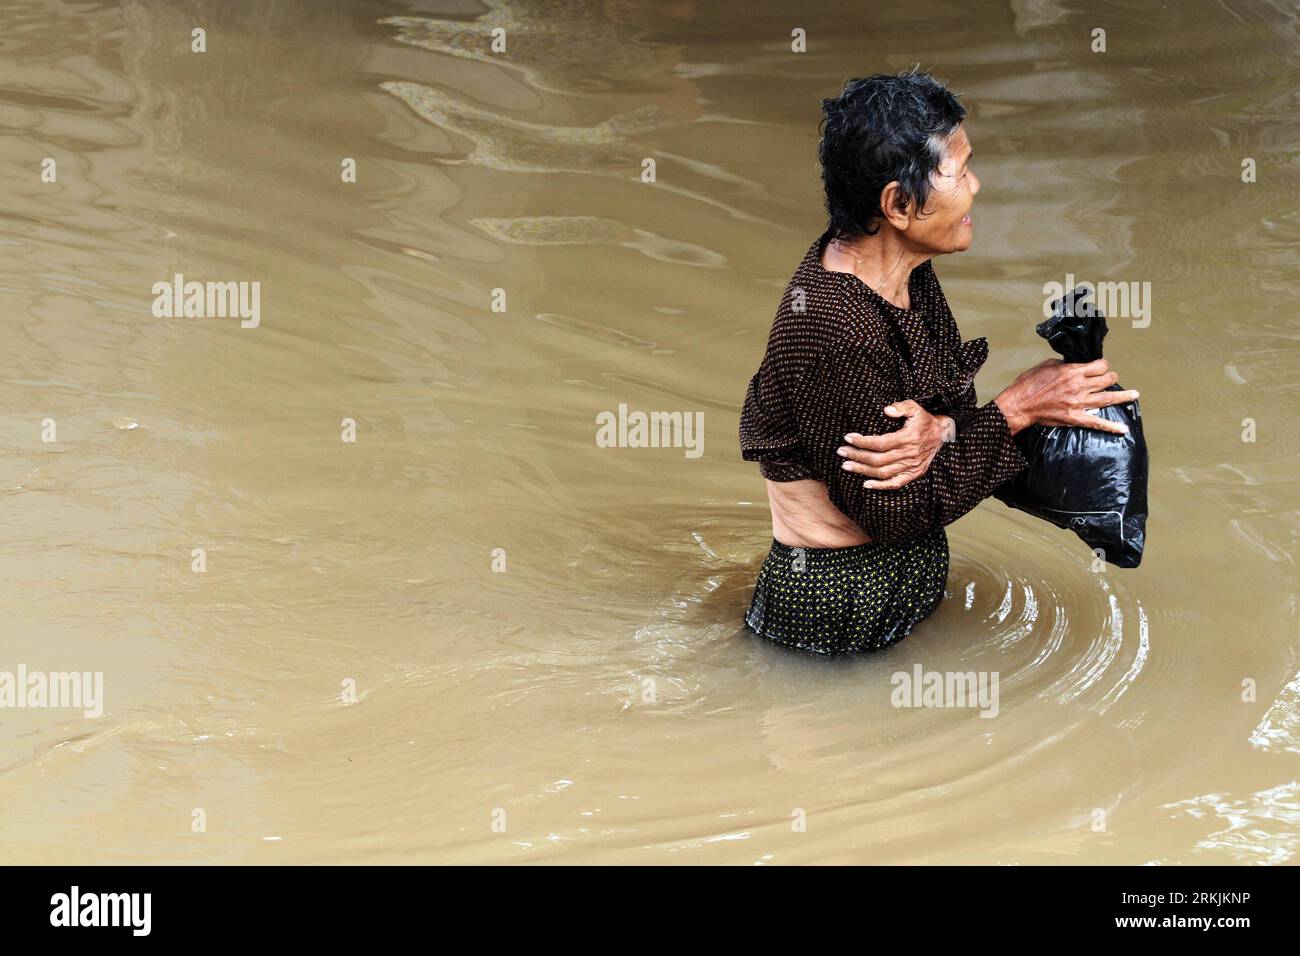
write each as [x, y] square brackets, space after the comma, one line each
[866, 376]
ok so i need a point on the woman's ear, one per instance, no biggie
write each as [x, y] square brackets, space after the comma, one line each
[889, 197]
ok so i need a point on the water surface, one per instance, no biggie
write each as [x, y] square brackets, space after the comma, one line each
[599, 694]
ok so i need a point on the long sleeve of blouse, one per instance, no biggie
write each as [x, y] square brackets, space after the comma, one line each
[837, 355]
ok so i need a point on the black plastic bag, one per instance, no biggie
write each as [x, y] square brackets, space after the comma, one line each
[1092, 482]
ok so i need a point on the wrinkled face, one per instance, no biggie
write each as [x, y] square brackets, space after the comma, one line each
[946, 226]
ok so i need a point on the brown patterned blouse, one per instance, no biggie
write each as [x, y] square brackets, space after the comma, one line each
[838, 354]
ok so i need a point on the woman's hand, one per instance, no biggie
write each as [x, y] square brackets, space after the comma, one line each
[1060, 393]
[892, 460]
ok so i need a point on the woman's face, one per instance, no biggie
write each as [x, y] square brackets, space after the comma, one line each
[946, 226]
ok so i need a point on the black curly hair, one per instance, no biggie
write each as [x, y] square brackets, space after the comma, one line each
[883, 128]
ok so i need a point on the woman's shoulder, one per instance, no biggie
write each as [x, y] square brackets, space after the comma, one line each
[822, 307]
[820, 335]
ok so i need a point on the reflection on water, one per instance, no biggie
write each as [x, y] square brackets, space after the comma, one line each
[473, 607]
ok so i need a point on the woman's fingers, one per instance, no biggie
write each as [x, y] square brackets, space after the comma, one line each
[865, 457]
[892, 483]
[878, 449]
[1091, 420]
[1102, 399]
[874, 442]
[904, 409]
[880, 471]
[874, 459]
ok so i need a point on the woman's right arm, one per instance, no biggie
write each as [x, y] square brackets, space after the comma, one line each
[1056, 393]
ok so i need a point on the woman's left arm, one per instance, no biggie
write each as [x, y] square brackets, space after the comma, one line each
[852, 387]
[894, 459]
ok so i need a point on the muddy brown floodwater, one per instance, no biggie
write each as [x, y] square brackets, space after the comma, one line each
[473, 634]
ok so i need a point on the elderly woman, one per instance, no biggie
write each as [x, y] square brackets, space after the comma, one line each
[866, 377]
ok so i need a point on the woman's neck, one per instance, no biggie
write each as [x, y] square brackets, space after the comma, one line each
[883, 261]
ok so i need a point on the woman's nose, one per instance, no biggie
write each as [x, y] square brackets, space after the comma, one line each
[974, 183]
